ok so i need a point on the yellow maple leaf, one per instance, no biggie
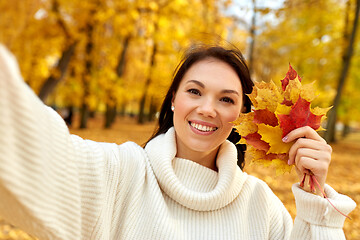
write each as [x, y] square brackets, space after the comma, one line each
[292, 90]
[281, 166]
[307, 92]
[259, 157]
[282, 109]
[295, 89]
[265, 95]
[256, 156]
[320, 111]
[273, 136]
[245, 125]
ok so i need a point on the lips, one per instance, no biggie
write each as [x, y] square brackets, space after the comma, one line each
[202, 127]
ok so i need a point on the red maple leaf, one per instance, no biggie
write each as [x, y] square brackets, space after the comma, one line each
[265, 116]
[287, 102]
[284, 83]
[254, 139]
[290, 75]
[299, 116]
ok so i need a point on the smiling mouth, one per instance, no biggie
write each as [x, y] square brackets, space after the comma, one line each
[203, 128]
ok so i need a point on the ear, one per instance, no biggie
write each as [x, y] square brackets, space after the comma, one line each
[243, 109]
[173, 98]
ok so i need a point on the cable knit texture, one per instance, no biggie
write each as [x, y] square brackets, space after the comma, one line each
[228, 186]
[58, 186]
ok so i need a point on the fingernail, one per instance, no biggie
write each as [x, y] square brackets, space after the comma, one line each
[289, 162]
[285, 138]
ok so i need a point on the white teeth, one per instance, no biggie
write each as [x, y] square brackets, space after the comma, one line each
[203, 128]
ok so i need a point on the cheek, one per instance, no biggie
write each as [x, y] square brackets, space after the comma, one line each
[229, 117]
[182, 108]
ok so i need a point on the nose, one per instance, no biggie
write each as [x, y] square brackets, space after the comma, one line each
[207, 108]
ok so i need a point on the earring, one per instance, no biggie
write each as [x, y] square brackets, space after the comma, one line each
[172, 108]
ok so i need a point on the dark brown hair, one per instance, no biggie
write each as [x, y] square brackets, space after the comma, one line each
[235, 59]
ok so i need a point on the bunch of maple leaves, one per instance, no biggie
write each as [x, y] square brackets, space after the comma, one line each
[276, 112]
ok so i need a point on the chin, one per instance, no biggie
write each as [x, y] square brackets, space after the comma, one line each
[200, 146]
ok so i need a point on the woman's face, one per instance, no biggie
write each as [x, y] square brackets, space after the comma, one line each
[208, 99]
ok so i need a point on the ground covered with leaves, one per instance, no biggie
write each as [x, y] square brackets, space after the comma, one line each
[343, 173]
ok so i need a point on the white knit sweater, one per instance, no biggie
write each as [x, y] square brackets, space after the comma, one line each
[58, 186]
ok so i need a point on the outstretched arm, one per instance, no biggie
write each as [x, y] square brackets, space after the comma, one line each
[43, 169]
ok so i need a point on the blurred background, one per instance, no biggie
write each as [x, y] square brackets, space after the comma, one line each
[105, 65]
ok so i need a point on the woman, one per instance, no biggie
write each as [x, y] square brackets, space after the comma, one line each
[185, 183]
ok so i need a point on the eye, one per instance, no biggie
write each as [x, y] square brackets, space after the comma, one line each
[227, 100]
[194, 91]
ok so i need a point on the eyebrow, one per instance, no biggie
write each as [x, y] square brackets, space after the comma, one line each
[223, 91]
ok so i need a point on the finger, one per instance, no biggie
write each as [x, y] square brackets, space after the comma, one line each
[301, 173]
[303, 132]
[310, 153]
[305, 164]
[306, 152]
[310, 144]
[318, 168]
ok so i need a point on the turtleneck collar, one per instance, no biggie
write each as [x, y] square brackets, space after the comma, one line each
[202, 189]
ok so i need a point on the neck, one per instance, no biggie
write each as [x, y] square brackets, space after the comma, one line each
[206, 159]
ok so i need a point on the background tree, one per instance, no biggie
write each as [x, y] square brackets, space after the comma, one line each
[349, 41]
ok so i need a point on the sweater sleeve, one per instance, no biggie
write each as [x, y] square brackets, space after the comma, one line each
[50, 181]
[316, 218]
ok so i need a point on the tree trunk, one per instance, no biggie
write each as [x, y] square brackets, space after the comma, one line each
[84, 112]
[50, 83]
[122, 57]
[110, 114]
[152, 110]
[69, 117]
[345, 130]
[84, 115]
[122, 109]
[141, 118]
[330, 133]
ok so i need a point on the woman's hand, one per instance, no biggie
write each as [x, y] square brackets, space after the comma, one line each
[310, 154]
